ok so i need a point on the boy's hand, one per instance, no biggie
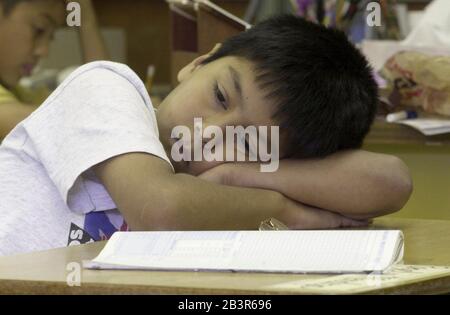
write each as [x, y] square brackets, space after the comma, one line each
[298, 216]
[295, 215]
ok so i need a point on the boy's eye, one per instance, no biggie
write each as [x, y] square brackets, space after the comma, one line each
[38, 31]
[219, 96]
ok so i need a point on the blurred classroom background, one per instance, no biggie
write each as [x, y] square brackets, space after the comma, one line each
[162, 35]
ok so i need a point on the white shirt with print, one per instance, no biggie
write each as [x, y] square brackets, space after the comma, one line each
[49, 195]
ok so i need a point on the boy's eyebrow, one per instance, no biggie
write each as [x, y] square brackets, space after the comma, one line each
[236, 77]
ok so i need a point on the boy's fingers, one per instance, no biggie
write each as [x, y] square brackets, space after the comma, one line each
[313, 218]
[341, 221]
[347, 222]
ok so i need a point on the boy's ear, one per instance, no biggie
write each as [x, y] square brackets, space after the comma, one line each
[190, 68]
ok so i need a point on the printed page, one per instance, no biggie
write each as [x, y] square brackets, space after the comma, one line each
[268, 251]
[359, 283]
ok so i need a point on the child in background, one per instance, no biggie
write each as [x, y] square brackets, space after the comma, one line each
[26, 30]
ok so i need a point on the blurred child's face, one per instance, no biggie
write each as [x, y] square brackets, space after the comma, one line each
[25, 35]
[222, 93]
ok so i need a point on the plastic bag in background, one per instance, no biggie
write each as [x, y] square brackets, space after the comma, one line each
[419, 80]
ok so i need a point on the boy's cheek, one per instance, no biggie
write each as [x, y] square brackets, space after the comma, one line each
[10, 76]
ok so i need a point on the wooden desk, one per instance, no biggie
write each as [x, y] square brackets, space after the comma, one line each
[383, 133]
[428, 160]
[427, 242]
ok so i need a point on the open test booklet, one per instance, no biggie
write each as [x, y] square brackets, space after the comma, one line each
[325, 251]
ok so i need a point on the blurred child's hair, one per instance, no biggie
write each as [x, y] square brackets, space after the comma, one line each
[8, 5]
[322, 86]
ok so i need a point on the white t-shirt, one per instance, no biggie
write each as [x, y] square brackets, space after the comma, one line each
[49, 195]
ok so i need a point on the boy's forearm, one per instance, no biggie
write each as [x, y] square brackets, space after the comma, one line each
[93, 46]
[152, 197]
[200, 205]
[358, 184]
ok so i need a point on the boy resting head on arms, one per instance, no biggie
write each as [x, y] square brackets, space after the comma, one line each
[95, 157]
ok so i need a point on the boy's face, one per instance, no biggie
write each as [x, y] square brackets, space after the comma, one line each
[222, 93]
[25, 35]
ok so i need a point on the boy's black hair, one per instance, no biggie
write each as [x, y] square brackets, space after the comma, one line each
[325, 94]
[8, 5]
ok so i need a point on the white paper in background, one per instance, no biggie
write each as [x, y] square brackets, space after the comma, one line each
[431, 35]
[358, 283]
[403, 18]
[414, 18]
[428, 126]
[433, 29]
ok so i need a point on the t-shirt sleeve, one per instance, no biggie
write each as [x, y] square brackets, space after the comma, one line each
[96, 114]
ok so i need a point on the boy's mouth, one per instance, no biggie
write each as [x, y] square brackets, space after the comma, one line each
[27, 69]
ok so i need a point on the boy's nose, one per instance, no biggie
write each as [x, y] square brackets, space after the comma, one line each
[42, 49]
